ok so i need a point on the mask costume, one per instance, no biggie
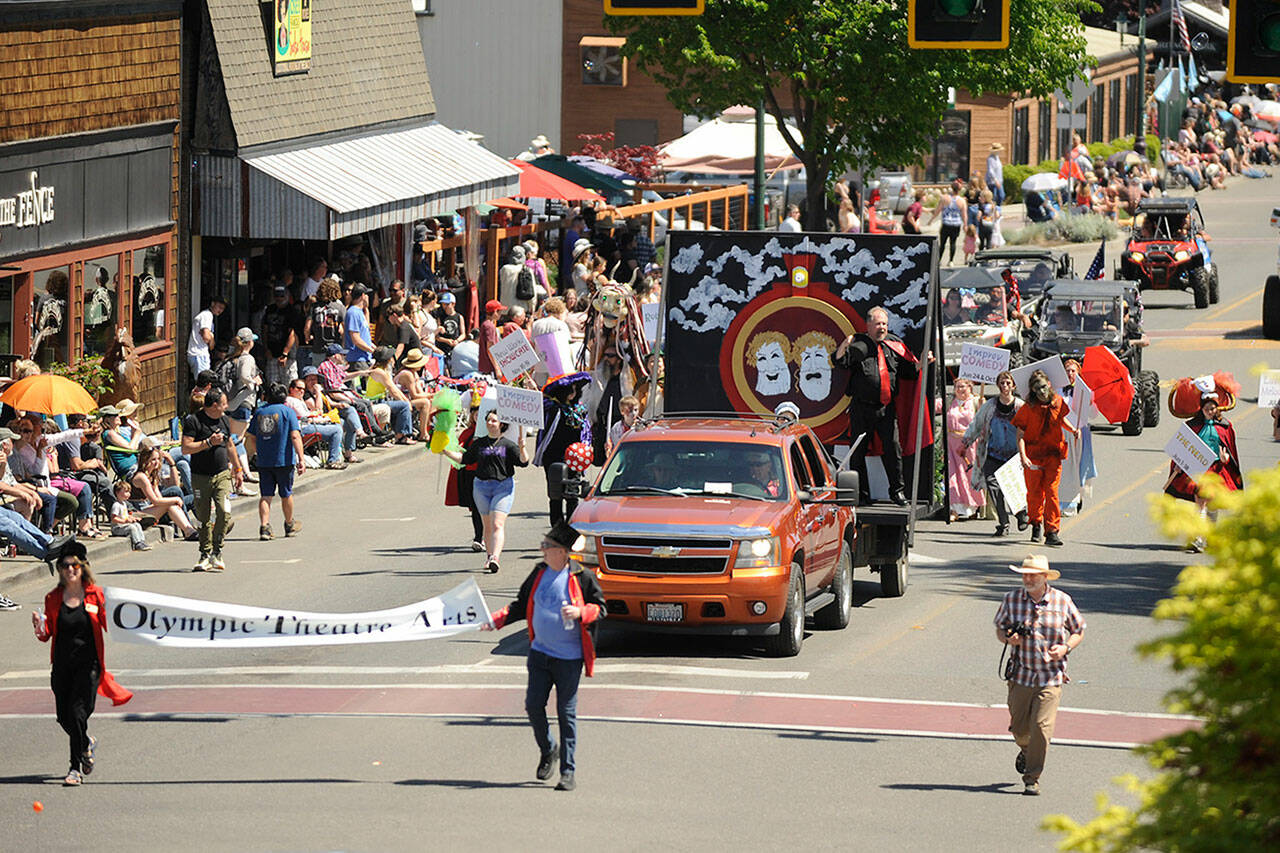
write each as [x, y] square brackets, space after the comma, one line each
[1039, 425]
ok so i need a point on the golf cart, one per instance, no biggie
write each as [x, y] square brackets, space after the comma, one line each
[975, 310]
[1167, 249]
[1271, 294]
[1032, 268]
[1075, 315]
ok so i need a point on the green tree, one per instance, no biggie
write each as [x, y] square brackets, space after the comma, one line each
[860, 97]
[1219, 788]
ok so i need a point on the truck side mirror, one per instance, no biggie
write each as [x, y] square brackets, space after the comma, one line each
[556, 475]
[847, 484]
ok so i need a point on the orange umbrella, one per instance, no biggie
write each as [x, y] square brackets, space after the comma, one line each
[539, 183]
[49, 394]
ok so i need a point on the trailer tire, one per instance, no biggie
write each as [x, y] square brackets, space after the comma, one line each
[893, 578]
[790, 636]
[1271, 308]
[835, 615]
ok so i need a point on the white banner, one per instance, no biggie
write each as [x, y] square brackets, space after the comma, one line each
[167, 620]
[981, 363]
[1268, 388]
[1013, 485]
[1189, 452]
[520, 406]
[514, 355]
[1052, 368]
[650, 313]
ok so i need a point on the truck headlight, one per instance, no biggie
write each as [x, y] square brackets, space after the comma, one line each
[1137, 257]
[1180, 255]
[757, 553]
[584, 551]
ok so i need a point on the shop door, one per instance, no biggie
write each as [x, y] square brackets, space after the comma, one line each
[8, 286]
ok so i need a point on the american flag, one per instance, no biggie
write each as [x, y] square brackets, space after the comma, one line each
[1180, 26]
[1099, 262]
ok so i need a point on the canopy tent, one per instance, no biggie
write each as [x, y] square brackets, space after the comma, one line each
[558, 164]
[726, 145]
[539, 183]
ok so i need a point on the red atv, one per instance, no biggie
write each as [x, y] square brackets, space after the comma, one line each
[1167, 250]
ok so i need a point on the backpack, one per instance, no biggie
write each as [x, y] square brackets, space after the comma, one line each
[228, 375]
[326, 325]
[525, 284]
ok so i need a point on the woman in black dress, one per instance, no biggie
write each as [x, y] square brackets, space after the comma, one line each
[75, 618]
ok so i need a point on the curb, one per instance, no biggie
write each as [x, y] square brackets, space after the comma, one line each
[377, 460]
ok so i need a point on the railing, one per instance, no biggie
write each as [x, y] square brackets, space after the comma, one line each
[719, 201]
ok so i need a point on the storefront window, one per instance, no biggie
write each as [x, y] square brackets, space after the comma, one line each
[7, 285]
[149, 270]
[49, 316]
[101, 288]
[949, 154]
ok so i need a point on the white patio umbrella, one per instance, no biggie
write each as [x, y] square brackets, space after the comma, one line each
[727, 145]
[1267, 110]
[1043, 182]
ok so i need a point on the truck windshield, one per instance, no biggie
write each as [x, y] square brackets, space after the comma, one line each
[728, 468]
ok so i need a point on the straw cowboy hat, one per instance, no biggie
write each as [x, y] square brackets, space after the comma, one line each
[127, 407]
[997, 146]
[1036, 564]
[414, 359]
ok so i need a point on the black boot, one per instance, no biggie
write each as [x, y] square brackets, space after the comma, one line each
[1035, 533]
[1022, 520]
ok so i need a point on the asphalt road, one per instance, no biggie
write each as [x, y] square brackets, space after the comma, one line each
[882, 736]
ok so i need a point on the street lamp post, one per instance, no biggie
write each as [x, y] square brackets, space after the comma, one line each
[1140, 137]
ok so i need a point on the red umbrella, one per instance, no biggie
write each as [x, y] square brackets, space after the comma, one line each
[539, 183]
[1110, 381]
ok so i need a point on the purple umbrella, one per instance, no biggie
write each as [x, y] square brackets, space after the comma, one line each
[603, 168]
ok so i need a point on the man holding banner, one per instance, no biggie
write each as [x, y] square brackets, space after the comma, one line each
[562, 603]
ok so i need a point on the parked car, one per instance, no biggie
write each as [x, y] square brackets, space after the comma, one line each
[896, 191]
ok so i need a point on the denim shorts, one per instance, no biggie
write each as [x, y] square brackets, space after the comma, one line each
[494, 495]
[275, 481]
[241, 414]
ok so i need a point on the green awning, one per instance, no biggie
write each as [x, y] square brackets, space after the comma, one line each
[560, 165]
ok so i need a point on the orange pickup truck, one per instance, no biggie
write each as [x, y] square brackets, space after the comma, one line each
[735, 526]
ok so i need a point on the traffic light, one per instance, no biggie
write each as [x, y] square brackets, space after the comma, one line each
[966, 24]
[653, 7]
[1253, 42]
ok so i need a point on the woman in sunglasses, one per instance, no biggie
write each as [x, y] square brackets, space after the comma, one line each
[75, 618]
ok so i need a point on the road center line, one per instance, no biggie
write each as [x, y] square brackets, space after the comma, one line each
[484, 667]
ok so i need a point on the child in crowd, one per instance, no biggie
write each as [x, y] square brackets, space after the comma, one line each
[970, 242]
[126, 522]
[629, 407]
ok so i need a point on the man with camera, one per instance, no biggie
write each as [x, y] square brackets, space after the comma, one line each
[1041, 625]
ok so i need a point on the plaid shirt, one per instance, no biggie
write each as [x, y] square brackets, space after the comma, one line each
[1053, 620]
[334, 377]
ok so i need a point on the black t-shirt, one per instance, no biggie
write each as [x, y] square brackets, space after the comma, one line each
[408, 336]
[494, 458]
[74, 645]
[213, 460]
[450, 327]
[277, 322]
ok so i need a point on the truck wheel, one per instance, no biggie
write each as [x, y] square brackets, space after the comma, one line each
[1016, 359]
[893, 578]
[1133, 426]
[836, 614]
[1199, 280]
[790, 636]
[1213, 283]
[1271, 308]
[1149, 389]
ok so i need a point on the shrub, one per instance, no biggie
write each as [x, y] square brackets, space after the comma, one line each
[1068, 227]
[88, 373]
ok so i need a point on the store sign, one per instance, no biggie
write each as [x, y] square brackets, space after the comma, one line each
[291, 48]
[28, 207]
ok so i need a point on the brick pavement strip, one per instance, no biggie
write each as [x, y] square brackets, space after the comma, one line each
[721, 708]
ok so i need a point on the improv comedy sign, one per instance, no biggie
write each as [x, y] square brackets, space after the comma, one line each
[981, 363]
[167, 620]
[520, 406]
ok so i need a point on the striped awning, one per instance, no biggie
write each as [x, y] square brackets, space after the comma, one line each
[329, 190]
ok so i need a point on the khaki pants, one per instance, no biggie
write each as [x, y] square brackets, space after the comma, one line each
[213, 499]
[1032, 713]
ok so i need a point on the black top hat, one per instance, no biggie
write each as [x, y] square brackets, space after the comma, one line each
[563, 534]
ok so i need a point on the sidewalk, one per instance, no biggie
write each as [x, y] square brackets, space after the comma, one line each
[244, 510]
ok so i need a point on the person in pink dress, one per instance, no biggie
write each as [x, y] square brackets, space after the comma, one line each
[966, 501]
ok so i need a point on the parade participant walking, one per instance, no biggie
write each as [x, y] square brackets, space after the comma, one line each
[1040, 444]
[215, 471]
[75, 618]
[275, 437]
[564, 415]
[996, 438]
[561, 603]
[1042, 626]
[966, 500]
[495, 458]
[1215, 394]
[459, 488]
[876, 362]
[1088, 466]
[951, 207]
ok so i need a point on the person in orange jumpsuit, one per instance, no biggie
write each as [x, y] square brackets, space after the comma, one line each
[1040, 444]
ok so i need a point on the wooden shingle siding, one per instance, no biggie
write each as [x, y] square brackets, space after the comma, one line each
[71, 80]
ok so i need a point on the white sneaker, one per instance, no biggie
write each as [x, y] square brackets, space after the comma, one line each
[8, 604]
[216, 564]
[205, 564]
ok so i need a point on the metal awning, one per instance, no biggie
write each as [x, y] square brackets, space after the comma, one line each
[329, 190]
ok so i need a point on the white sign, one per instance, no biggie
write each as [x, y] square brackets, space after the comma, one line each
[167, 620]
[651, 312]
[1013, 485]
[1268, 389]
[514, 355]
[981, 363]
[1052, 368]
[29, 207]
[1189, 452]
[520, 406]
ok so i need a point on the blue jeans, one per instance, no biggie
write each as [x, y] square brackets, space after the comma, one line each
[544, 671]
[997, 192]
[183, 463]
[198, 363]
[188, 498]
[401, 417]
[28, 538]
[350, 427]
[332, 433]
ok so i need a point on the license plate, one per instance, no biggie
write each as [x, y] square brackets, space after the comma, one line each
[662, 612]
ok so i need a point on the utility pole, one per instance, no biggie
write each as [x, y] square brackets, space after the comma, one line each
[757, 209]
[1140, 136]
